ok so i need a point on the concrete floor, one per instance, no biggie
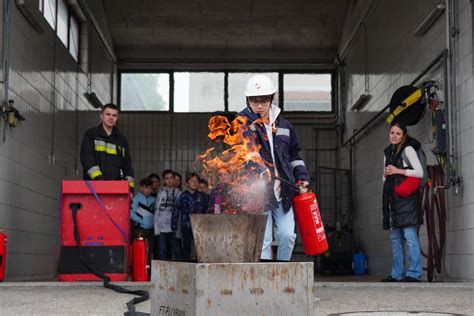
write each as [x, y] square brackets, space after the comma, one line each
[359, 296]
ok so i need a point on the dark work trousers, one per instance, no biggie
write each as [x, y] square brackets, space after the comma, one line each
[188, 242]
[167, 240]
[156, 247]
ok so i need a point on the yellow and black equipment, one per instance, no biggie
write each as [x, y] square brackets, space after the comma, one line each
[407, 105]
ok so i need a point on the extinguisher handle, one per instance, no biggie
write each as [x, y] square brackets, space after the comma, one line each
[303, 186]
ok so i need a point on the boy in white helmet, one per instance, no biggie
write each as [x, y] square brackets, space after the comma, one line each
[280, 150]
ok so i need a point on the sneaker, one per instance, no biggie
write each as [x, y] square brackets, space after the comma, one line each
[389, 279]
[410, 279]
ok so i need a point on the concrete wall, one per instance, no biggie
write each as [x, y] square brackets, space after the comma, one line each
[394, 58]
[47, 86]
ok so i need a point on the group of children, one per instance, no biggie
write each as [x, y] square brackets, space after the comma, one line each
[162, 216]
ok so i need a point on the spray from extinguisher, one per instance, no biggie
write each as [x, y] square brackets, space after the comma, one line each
[3, 254]
[308, 219]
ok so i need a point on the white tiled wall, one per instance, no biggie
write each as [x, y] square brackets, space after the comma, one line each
[395, 57]
[29, 178]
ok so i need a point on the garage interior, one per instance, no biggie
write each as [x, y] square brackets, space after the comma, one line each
[337, 64]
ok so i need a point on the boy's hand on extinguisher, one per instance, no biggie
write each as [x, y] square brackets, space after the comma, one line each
[265, 175]
[303, 184]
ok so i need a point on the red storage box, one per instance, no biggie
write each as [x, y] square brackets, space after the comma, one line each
[104, 230]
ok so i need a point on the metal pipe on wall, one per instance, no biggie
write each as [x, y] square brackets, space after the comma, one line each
[341, 114]
[360, 23]
[52, 154]
[452, 170]
[6, 57]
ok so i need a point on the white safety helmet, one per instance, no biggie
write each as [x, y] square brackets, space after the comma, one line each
[259, 85]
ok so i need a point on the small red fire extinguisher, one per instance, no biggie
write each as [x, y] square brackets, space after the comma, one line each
[3, 254]
[309, 222]
[140, 260]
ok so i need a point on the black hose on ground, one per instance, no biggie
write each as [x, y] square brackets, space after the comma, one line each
[143, 295]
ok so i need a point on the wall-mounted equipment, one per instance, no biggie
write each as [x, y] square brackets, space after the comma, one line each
[361, 102]
[29, 8]
[10, 114]
[430, 19]
[93, 99]
[439, 132]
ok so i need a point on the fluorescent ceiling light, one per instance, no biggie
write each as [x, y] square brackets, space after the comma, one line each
[361, 102]
[430, 19]
[93, 100]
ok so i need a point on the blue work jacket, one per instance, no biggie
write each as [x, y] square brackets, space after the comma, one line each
[286, 150]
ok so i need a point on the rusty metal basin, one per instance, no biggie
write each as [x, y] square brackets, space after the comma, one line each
[228, 238]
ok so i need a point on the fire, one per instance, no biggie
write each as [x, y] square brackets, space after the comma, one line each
[245, 186]
[218, 127]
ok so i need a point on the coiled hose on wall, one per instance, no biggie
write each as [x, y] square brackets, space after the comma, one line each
[434, 209]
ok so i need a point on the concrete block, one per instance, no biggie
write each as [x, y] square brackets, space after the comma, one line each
[180, 288]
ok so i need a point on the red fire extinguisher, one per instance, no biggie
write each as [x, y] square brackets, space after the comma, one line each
[309, 222]
[3, 254]
[140, 260]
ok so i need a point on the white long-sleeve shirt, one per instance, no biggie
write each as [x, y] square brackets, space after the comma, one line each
[415, 163]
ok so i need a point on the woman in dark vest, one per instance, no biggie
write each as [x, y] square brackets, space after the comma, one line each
[401, 215]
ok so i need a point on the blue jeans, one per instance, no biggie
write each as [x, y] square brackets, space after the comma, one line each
[415, 269]
[169, 239]
[285, 223]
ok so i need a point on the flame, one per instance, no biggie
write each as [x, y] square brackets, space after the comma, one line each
[242, 161]
[218, 127]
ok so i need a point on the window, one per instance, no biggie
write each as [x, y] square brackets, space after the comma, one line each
[73, 42]
[62, 30]
[68, 26]
[145, 92]
[307, 92]
[203, 91]
[48, 8]
[237, 83]
[198, 92]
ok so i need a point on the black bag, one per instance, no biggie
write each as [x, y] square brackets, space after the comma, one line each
[407, 106]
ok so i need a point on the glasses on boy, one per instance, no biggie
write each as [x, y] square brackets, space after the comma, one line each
[260, 99]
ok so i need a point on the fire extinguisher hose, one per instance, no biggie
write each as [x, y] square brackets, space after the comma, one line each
[434, 209]
[143, 295]
[291, 184]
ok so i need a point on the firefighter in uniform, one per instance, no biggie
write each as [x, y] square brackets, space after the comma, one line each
[105, 154]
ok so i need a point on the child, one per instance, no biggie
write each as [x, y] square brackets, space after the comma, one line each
[178, 181]
[165, 205]
[141, 213]
[203, 185]
[156, 184]
[218, 194]
[190, 202]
